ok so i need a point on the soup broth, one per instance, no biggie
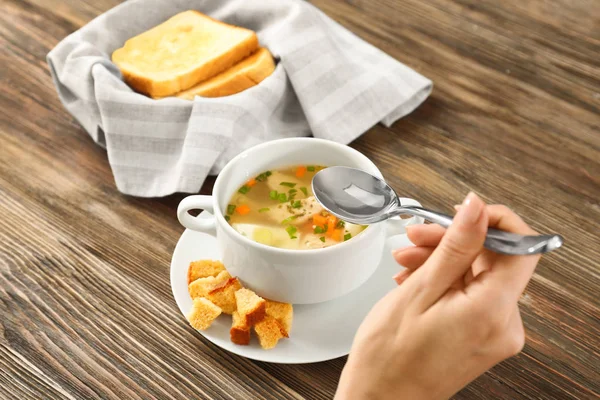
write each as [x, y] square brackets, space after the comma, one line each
[277, 208]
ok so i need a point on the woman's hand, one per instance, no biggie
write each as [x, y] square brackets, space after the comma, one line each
[453, 316]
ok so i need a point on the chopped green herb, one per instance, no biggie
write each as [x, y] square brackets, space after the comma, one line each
[318, 229]
[304, 190]
[322, 239]
[292, 197]
[325, 227]
[340, 224]
[261, 210]
[347, 236]
[273, 194]
[310, 168]
[244, 189]
[297, 204]
[292, 191]
[262, 177]
[289, 219]
[227, 218]
[288, 184]
[230, 209]
[291, 230]
[282, 197]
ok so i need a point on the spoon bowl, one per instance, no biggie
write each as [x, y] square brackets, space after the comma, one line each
[358, 198]
[361, 198]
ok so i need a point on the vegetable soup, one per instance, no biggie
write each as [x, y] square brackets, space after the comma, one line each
[278, 208]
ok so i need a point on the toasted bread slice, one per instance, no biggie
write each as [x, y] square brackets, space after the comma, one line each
[224, 296]
[203, 269]
[282, 312]
[203, 313]
[250, 306]
[202, 286]
[186, 49]
[269, 331]
[243, 75]
[239, 332]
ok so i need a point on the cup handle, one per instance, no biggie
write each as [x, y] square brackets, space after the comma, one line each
[195, 203]
[397, 226]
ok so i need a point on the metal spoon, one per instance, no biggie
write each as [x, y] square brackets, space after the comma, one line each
[360, 198]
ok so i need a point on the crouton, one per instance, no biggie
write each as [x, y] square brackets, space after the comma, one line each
[269, 331]
[282, 312]
[224, 296]
[239, 332]
[204, 269]
[203, 313]
[202, 286]
[250, 306]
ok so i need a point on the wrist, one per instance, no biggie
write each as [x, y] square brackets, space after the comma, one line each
[360, 384]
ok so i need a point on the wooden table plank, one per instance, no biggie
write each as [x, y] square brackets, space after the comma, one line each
[515, 115]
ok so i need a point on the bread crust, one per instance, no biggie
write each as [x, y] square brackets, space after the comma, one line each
[239, 332]
[243, 75]
[253, 313]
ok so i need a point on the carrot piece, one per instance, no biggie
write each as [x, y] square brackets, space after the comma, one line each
[251, 182]
[319, 220]
[242, 209]
[300, 171]
[331, 223]
[337, 235]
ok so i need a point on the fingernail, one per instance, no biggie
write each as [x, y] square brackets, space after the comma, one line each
[399, 250]
[457, 207]
[470, 210]
[401, 274]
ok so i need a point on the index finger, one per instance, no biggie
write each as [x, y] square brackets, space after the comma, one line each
[509, 275]
[503, 218]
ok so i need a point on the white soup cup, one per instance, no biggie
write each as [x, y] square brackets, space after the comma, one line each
[292, 276]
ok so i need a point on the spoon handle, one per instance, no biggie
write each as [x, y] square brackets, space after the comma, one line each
[446, 220]
[496, 240]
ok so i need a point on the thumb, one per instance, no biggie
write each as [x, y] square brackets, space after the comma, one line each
[457, 250]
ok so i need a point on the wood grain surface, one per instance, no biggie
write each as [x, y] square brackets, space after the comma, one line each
[85, 301]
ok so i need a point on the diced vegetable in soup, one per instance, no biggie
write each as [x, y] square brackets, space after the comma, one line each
[278, 208]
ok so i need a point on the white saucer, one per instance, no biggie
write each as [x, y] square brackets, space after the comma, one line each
[320, 332]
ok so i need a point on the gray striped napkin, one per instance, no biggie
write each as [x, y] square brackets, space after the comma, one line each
[328, 83]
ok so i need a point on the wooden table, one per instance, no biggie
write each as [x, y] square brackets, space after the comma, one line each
[86, 305]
